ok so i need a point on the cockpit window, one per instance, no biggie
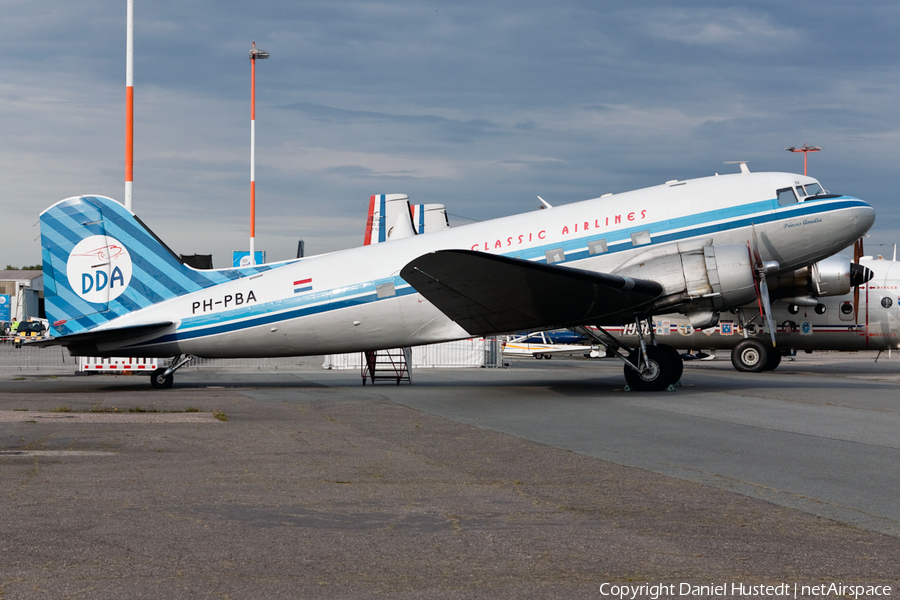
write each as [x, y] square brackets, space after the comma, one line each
[812, 189]
[786, 197]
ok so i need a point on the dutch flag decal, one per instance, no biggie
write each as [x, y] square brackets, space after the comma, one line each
[304, 285]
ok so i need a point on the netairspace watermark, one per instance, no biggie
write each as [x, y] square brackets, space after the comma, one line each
[657, 591]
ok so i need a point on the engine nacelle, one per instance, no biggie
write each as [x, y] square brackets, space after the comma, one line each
[698, 280]
[834, 276]
[731, 275]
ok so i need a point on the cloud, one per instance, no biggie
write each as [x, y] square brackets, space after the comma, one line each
[734, 31]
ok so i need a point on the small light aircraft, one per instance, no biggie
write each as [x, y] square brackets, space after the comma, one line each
[544, 344]
[697, 247]
[867, 318]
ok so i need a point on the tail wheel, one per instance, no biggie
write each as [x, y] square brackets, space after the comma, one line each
[665, 368]
[751, 356]
[160, 381]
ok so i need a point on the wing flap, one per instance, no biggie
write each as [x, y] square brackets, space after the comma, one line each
[488, 294]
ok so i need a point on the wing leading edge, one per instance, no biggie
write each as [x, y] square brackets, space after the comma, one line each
[488, 294]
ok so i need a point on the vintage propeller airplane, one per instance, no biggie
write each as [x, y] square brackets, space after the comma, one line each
[695, 247]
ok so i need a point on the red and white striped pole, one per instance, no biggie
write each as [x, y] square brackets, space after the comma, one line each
[254, 54]
[129, 106]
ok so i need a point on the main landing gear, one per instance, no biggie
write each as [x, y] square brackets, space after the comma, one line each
[162, 378]
[649, 367]
[754, 356]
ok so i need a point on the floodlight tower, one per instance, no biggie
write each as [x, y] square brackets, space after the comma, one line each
[129, 105]
[254, 54]
[805, 149]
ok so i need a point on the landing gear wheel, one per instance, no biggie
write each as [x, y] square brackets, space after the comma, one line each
[160, 381]
[773, 360]
[676, 361]
[665, 369]
[750, 356]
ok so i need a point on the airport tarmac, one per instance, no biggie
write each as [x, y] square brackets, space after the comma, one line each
[543, 480]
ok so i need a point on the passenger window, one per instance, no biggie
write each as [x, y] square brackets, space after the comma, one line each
[786, 197]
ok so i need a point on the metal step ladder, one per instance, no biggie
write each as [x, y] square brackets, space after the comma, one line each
[387, 365]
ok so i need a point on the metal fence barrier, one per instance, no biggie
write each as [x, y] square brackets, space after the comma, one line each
[58, 358]
[25, 358]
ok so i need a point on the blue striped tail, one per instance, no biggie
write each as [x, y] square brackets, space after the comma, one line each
[100, 263]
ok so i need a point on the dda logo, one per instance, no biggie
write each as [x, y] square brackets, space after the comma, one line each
[99, 269]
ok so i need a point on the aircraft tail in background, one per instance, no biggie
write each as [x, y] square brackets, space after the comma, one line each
[392, 217]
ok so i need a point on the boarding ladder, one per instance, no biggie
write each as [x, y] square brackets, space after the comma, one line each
[386, 365]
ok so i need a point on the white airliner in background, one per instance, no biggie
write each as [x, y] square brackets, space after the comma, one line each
[867, 318]
[696, 247]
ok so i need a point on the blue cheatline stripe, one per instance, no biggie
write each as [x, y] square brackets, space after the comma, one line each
[303, 289]
[667, 231]
[277, 306]
[280, 310]
[264, 318]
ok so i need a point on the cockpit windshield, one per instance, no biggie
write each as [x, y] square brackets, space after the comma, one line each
[812, 189]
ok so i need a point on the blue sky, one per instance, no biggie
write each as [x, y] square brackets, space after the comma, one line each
[480, 106]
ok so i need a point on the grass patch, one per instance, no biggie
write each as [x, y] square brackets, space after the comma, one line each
[139, 409]
[219, 414]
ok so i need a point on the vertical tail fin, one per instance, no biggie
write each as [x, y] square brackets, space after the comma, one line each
[100, 262]
[390, 217]
[428, 218]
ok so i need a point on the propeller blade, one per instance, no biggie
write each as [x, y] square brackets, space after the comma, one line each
[754, 246]
[767, 307]
[762, 287]
[858, 276]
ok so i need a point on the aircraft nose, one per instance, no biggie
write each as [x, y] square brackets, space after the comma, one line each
[865, 218]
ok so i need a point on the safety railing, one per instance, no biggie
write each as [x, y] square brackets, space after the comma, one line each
[477, 352]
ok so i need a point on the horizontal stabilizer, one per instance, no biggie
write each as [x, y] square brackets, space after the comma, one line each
[93, 338]
[488, 294]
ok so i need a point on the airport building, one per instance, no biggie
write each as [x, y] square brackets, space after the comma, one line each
[21, 295]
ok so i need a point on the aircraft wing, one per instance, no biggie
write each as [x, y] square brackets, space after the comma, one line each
[488, 294]
[92, 338]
